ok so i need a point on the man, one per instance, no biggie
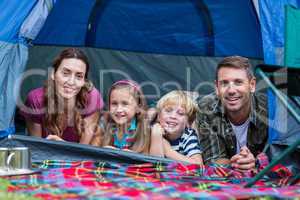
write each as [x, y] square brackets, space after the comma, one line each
[232, 122]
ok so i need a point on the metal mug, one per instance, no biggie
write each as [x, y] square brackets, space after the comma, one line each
[4, 152]
[19, 158]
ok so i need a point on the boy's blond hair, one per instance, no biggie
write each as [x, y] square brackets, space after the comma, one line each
[179, 97]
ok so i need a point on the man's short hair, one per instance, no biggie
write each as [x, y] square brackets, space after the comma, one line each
[237, 62]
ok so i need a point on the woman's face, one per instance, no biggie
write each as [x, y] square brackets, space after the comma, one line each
[69, 77]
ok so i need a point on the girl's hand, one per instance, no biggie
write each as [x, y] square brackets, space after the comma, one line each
[54, 137]
[111, 147]
[129, 150]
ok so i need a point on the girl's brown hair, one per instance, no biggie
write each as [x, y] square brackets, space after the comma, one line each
[142, 135]
[56, 120]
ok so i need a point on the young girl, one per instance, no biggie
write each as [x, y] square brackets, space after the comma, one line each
[171, 136]
[68, 106]
[126, 126]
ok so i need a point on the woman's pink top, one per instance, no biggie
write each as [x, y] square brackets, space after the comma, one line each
[34, 110]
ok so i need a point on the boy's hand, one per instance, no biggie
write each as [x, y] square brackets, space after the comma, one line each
[158, 129]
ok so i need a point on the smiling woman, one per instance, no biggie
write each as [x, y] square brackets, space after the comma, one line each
[68, 106]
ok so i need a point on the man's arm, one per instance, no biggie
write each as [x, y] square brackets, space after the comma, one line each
[212, 143]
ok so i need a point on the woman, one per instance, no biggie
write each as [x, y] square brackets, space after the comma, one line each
[68, 106]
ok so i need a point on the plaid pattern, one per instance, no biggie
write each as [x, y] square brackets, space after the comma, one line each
[93, 180]
[215, 131]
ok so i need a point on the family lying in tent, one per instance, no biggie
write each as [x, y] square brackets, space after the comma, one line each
[230, 126]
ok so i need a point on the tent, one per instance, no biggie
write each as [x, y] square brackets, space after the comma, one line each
[163, 45]
[141, 39]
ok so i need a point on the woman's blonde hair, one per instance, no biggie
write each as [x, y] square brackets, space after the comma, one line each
[181, 98]
[142, 135]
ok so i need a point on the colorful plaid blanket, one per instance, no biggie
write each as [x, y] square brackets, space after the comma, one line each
[94, 180]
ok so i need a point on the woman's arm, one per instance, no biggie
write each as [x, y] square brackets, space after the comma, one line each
[156, 144]
[91, 130]
[34, 129]
[170, 153]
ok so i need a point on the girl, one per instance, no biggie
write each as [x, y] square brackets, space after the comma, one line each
[126, 127]
[68, 106]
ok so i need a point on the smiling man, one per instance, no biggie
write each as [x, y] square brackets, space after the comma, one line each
[232, 122]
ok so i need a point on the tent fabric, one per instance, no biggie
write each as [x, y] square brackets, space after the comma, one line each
[284, 127]
[13, 54]
[42, 149]
[36, 19]
[13, 59]
[157, 73]
[284, 130]
[272, 20]
[13, 13]
[207, 28]
[292, 40]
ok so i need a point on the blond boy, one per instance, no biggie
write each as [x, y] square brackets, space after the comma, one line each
[171, 136]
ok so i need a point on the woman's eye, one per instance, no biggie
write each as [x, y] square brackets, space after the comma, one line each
[66, 73]
[79, 77]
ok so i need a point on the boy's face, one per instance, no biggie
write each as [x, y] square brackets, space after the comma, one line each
[173, 119]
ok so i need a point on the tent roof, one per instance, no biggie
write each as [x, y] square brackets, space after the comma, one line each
[208, 28]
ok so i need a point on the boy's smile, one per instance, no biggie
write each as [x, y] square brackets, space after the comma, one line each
[173, 119]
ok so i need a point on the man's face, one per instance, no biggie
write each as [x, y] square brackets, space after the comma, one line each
[234, 88]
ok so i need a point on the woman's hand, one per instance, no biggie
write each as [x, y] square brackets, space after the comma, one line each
[54, 137]
[91, 129]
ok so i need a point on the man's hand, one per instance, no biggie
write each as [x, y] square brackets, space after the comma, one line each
[244, 160]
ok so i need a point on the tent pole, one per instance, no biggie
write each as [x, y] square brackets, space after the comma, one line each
[286, 152]
[279, 95]
[291, 148]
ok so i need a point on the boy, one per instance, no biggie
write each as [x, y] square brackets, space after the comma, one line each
[171, 137]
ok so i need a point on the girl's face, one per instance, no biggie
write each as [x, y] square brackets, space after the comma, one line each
[122, 106]
[69, 77]
[173, 119]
